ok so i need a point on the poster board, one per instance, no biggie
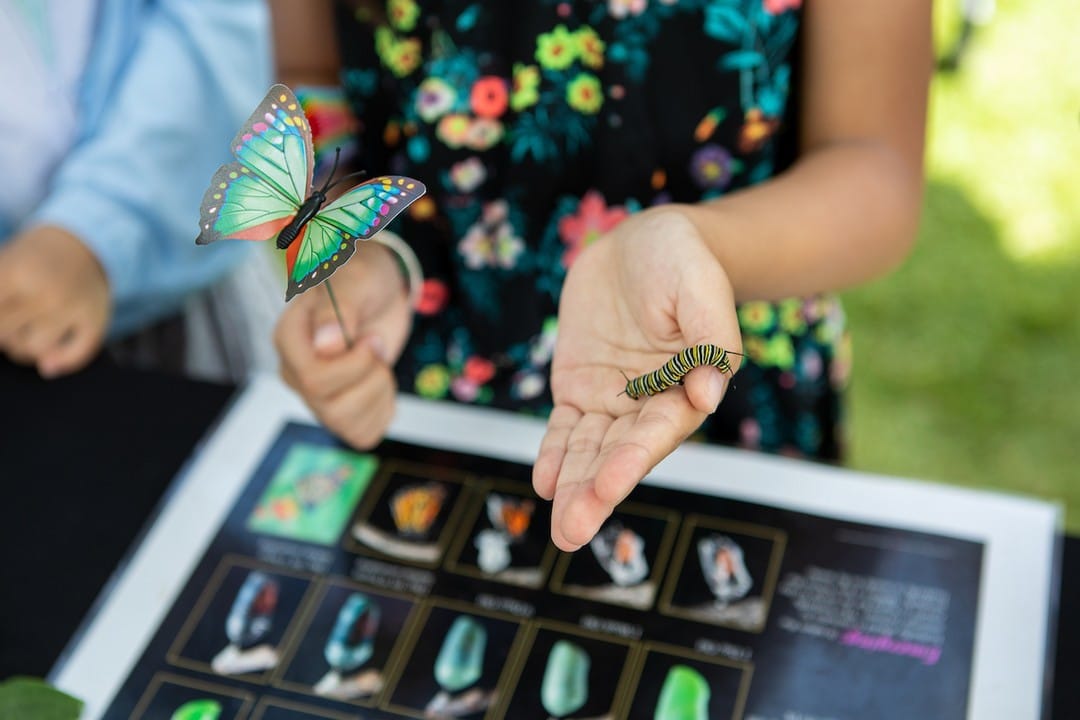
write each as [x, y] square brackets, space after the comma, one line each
[747, 586]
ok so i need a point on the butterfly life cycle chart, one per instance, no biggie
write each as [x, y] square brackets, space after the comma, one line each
[288, 576]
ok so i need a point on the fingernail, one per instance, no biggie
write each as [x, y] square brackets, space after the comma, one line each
[327, 336]
[378, 347]
[717, 383]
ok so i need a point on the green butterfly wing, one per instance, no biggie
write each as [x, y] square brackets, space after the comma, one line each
[254, 198]
[330, 237]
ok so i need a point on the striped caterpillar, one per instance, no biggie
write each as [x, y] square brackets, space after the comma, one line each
[675, 369]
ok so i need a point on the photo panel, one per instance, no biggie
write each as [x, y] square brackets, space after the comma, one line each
[278, 709]
[175, 697]
[456, 664]
[243, 622]
[624, 562]
[724, 573]
[313, 493]
[347, 643]
[568, 673]
[410, 513]
[675, 683]
[506, 536]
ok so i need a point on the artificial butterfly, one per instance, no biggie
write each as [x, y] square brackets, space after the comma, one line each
[268, 194]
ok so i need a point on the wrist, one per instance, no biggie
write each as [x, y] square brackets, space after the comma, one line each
[717, 230]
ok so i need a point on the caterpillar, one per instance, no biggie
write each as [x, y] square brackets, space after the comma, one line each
[675, 369]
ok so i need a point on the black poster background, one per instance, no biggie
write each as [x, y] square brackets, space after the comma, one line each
[777, 671]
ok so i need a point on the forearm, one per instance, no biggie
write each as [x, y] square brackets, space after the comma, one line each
[848, 209]
[305, 42]
[841, 215]
[130, 189]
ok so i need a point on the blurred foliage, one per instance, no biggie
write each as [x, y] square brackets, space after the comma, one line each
[964, 358]
[27, 698]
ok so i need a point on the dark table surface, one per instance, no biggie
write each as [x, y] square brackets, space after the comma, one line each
[83, 463]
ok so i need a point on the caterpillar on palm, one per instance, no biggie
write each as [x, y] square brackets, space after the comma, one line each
[674, 370]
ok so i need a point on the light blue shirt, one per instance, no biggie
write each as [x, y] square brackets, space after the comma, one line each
[167, 85]
[43, 50]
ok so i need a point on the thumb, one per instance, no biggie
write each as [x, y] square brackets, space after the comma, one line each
[705, 388]
[707, 318]
[329, 341]
[717, 361]
[333, 333]
[327, 338]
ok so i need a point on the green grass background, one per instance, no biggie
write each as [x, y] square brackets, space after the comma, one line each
[966, 357]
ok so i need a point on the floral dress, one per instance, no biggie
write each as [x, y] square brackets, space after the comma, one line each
[538, 125]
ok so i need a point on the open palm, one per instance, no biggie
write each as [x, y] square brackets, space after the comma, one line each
[631, 300]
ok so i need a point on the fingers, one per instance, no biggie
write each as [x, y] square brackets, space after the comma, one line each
[319, 381]
[573, 487]
[328, 340]
[72, 353]
[705, 388]
[328, 336]
[663, 423]
[325, 379]
[15, 317]
[40, 335]
[30, 332]
[309, 331]
[351, 391]
[58, 343]
[294, 341]
[348, 386]
[582, 447]
[352, 395]
[54, 300]
[361, 414]
[549, 460]
[293, 333]
[606, 459]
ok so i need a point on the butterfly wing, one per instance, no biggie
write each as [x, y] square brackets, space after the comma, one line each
[253, 199]
[330, 238]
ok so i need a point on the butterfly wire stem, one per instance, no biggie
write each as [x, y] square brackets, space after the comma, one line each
[337, 311]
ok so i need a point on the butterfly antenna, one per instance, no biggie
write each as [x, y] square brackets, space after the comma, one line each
[327, 185]
[358, 173]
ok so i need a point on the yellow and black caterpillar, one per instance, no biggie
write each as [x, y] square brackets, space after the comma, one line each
[675, 369]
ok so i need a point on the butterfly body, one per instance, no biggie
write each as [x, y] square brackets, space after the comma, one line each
[307, 211]
[267, 194]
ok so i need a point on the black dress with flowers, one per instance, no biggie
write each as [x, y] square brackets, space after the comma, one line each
[537, 125]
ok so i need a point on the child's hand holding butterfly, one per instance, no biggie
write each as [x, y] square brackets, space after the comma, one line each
[631, 300]
[54, 301]
[351, 391]
[267, 194]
